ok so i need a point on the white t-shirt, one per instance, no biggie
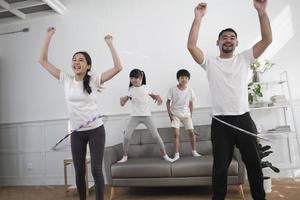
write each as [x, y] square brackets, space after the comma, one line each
[228, 82]
[82, 106]
[140, 100]
[180, 100]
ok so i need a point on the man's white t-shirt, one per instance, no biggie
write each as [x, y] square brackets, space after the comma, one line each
[180, 100]
[82, 106]
[228, 82]
[140, 100]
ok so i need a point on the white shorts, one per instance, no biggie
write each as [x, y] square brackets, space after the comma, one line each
[186, 121]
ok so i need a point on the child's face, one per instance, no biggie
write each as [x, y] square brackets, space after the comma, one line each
[136, 82]
[183, 80]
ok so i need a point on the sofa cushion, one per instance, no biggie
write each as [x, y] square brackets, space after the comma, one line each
[136, 136]
[203, 132]
[202, 147]
[166, 134]
[142, 168]
[143, 145]
[198, 166]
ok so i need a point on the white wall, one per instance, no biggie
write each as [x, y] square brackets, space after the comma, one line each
[151, 35]
[148, 34]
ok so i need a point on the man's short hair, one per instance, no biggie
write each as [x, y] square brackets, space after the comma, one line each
[227, 30]
[183, 72]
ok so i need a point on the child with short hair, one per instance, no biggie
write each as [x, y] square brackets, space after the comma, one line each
[180, 107]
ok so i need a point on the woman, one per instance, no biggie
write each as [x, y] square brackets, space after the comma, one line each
[80, 92]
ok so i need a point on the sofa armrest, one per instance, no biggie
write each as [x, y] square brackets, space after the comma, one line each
[241, 166]
[111, 155]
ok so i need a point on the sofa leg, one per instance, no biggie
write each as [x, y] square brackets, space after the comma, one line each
[112, 193]
[241, 191]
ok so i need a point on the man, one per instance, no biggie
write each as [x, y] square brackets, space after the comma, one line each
[228, 79]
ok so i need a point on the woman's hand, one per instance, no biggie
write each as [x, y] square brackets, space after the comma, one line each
[108, 39]
[50, 31]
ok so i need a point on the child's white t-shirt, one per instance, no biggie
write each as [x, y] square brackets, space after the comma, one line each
[82, 106]
[228, 82]
[180, 100]
[140, 100]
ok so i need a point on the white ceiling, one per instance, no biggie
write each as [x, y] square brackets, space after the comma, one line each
[18, 10]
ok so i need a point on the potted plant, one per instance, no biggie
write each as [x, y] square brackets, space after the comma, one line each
[254, 87]
[254, 93]
[264, 151]
[259, 67]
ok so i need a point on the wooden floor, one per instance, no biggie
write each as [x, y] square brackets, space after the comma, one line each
[283, 189]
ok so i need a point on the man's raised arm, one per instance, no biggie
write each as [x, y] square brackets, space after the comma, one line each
[265, 28]
[195, 51]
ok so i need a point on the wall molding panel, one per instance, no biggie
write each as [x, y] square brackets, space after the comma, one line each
[27, 159]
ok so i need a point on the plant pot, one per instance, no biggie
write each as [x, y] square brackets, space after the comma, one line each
[268, 184]
[255, 77]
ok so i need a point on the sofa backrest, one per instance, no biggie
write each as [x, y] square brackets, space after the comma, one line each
[143, 145]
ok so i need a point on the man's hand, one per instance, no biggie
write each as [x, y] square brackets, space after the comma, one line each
[200, 10]
[260, 5]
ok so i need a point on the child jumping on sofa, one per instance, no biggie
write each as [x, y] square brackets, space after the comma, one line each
[139, 94]
[180, 109]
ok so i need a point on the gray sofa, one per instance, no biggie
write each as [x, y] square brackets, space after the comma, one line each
[146, 167]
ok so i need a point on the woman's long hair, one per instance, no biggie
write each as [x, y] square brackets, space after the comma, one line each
[87, 77]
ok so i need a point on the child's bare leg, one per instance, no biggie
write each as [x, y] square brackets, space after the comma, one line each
[176, 143]
[193, 142]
